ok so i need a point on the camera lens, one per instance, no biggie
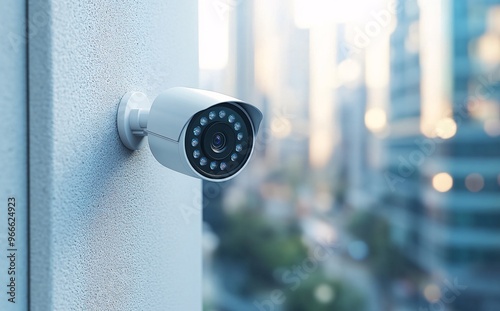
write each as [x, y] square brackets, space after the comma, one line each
[218, 142]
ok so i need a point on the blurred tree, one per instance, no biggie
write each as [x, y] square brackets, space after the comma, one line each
[318, 293]
[260, 246]
[385, 259]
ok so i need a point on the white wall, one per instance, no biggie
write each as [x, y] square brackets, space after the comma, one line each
[107, 231]
[13, 148]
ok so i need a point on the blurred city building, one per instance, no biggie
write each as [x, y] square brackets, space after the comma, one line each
[443, 194]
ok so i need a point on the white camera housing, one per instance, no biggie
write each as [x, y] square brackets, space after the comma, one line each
[195, 132]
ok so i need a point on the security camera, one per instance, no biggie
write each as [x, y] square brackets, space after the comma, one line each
[195, 132]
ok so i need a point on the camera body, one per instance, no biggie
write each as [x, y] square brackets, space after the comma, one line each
[195, 132]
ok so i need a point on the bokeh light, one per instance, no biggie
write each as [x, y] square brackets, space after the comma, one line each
[324, 293]
[375, 120]
[492, 127]
[432, 293]
[474, 182]
[442, 182]
[488, 49]
[446, 128]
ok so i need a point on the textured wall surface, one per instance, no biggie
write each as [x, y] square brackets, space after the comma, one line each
[13, 146]
[107, 227]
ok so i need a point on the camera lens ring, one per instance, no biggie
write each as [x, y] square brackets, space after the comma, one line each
[225, 159]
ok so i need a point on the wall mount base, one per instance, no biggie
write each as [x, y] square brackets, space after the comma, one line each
[133, 112]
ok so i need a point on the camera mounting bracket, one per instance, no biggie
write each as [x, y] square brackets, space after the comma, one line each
[132, 119]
